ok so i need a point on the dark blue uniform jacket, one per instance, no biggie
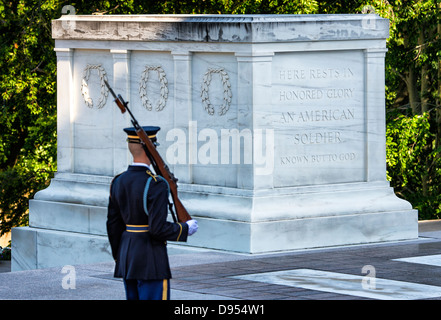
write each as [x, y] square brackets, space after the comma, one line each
[137, 197]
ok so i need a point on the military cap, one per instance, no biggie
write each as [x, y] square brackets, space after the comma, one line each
[151, 131]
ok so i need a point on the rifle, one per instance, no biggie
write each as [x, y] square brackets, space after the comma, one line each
[155, 158]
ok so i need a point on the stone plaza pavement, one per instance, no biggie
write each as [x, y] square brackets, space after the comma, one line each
[404, 270]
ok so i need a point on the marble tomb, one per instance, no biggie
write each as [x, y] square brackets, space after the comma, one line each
[274, 125]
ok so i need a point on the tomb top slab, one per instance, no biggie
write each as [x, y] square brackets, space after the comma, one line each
[221, 28]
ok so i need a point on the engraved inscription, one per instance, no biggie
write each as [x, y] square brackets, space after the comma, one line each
[317, 158]
[319, 116]
[315, 73]
[316, 94]
[318, 137]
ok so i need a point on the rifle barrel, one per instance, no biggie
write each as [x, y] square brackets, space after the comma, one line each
[110, 89]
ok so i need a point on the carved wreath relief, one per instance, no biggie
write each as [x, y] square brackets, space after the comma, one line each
[227, 91]
[104, 92]
[163, 90]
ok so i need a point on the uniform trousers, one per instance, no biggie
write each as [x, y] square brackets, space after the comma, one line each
[147, 289]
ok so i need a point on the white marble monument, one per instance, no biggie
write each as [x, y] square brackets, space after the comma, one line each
[274, 125]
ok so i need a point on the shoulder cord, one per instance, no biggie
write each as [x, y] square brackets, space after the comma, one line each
[170, 205]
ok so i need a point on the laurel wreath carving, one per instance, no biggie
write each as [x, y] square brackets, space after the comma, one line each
[163, 90]
[227, 91]
[104, 92]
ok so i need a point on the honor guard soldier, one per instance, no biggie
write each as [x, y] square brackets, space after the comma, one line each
[137, 225]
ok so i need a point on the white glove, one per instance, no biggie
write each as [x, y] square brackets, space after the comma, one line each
[192, 226]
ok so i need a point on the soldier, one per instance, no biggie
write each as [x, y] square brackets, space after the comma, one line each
[137, 225]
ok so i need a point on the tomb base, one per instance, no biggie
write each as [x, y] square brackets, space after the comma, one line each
[298, 218]
[245, 221]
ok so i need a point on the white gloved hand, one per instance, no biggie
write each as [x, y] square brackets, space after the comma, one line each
[192, 226]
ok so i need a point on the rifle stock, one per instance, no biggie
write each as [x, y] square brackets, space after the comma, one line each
[155, 158]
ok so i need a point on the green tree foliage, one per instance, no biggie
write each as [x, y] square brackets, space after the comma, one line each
[413, 162]
[28, 87]
[28, 106]
[413, 82]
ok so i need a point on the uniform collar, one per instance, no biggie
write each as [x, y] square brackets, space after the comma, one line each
[139, 166]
